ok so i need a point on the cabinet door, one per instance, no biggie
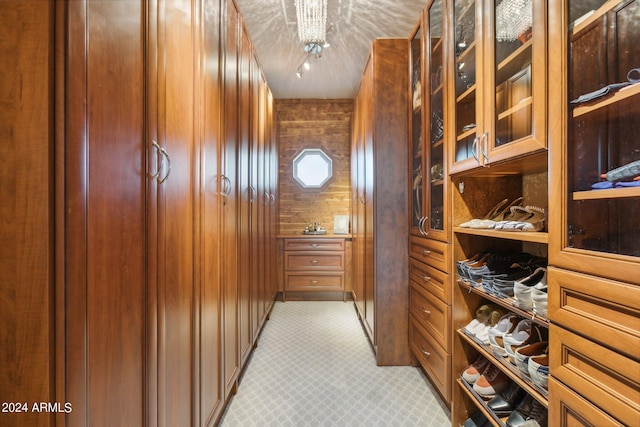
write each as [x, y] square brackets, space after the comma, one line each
[175, 130]
[499, 51]
[434, 225]
[229, 267]
[104, 353]
[209, 313]
[596, 230]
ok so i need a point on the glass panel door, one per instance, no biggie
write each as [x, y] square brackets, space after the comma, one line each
[465, 50]
[417, 158]
[437, 172]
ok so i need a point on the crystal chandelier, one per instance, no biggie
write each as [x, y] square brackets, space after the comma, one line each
[312, 29]
[513, 19]
[312, 21]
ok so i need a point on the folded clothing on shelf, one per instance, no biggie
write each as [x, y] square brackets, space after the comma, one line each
[633, 77]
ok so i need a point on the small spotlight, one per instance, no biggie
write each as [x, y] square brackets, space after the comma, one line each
[299, 74]
[307, 65]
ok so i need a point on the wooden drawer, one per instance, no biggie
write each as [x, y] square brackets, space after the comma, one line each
[567, 409]
[432, 313]
[432, 357]
[313, 260]
[314, 244]
[603, 310]
[608, 379]
[430, 251]
[431, 279]
[313, 282]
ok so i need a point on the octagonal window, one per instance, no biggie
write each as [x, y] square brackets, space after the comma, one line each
[312, 168]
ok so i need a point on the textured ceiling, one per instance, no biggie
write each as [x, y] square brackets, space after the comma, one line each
[353, 25]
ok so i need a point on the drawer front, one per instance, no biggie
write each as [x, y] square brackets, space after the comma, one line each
[603, 310]
[314, 260]
[567, 409]
[432, 357]
[313, 244]
[431, 279]
[314, 282]
[608, 379]
[432, 313]
[432, 252]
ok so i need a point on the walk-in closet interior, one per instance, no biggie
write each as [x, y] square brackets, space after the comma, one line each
[464, 175]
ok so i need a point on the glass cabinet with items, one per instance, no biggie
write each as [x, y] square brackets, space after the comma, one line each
[427, 131]
[498, 67]
[594, 249]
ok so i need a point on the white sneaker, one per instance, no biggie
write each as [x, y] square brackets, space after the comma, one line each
[522, 288]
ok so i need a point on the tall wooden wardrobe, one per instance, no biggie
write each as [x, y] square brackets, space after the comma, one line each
[126, 122]
[379, 150]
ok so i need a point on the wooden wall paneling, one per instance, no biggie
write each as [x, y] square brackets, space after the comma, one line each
[244, 198]
[105, 214]
[27, 215]
[262, 197]
[312, 123]
[211, 399]
[229, 206]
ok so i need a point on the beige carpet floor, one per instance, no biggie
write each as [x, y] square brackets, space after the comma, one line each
[315, 367]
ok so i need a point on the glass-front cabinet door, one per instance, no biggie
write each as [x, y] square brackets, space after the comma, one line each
[417, 160]
[599, 145]
[434, 225]
[500, 100]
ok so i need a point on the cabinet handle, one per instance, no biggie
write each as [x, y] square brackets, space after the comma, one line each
[426, 278]
[159, 160]
[166, 155]
[273, 198]
[362, 198]
[313, 245]
[266, 199]
[485, 138]
[313, 282]
[425, 352]
[421, 225]
[226, 186]
[252, 194]
[425, 311]
[426, 252]
[314, 261]
[474, 149]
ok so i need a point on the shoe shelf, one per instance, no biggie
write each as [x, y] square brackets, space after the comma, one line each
[508, 303]
[523, 236]
[511, 370]
[480, 403]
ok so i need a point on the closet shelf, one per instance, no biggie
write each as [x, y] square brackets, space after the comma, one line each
[619, 96]
[523, 236]
[612, 193]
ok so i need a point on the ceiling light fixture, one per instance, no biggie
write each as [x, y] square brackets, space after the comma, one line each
[312, 30]
[513, 19]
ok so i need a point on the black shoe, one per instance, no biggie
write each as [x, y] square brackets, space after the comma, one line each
[504, 403]
[519, 416]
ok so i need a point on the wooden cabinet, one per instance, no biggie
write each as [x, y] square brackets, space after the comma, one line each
[143, 320]
[497, 81]
[429, 251]
[314, 264]
[593, 247]
[380, 207]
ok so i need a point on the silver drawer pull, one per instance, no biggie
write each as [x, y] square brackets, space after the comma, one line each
[426, 278]
[426, 252]
[313, 282]
[313, 245]
[425, 352]
[425, 311]
[314, 261]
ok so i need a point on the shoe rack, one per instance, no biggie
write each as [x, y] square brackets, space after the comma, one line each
[498, 150]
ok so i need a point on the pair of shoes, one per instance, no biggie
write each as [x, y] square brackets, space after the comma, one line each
[505, 325]
[524, 333]
[486, 317]
[477, 420]
[528, 218]
[497, 214]
[522, 289]
[505, 402]
[530, 413]
[524, 354]
[539, 298]
[491, 382]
